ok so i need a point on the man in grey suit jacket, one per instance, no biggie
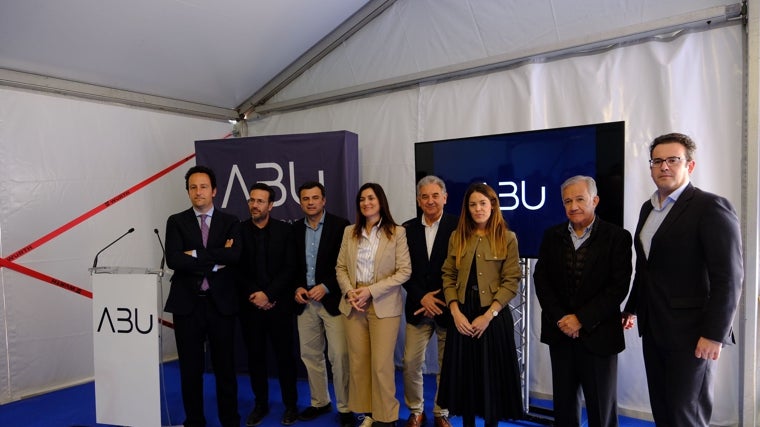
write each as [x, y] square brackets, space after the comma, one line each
[687, 285]
[203, 298]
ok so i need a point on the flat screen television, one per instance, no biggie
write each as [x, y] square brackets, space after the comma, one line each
[526, 170]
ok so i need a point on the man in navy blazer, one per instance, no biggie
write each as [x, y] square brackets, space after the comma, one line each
[425, 308]
[266, 297]
[687, 285]
[317, 240]
[581, 277]
[203, 299]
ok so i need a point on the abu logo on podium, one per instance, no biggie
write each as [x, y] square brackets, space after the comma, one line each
[127, 320]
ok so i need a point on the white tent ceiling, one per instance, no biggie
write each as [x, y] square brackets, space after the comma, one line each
[215, 53]
[217, 58]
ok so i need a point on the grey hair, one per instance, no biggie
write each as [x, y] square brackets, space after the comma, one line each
[431, 179]
[590, 183]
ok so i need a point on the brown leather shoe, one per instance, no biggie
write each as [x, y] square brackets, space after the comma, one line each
[441, 422]
[416, 420]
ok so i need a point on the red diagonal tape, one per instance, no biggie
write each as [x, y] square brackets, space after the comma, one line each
[71, 224]
[60, 283]
[44, 277]
[8, 262]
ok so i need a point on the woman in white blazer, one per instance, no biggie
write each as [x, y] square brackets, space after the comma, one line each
[372, 264]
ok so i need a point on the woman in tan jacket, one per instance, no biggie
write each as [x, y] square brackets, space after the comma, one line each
[372, 264]
[480, 376]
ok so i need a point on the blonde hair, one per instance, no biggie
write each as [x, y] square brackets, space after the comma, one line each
[496, 227]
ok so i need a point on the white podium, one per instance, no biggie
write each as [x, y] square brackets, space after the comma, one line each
[126, 330]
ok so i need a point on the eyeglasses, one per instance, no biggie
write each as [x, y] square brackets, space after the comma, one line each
[671, 161]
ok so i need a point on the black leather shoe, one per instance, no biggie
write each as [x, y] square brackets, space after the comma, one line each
[346, 419]
[289, 417]
[256, 416]
[312, 412]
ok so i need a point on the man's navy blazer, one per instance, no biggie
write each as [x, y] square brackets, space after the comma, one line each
[603, 285]
[689, 286]
[426, 273]
[183, 233]
[327, 257]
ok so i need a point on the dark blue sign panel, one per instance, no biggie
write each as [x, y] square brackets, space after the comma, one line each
[526, 170]
[284, 162]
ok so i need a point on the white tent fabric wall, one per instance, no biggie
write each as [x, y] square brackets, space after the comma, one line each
[60, 158]
[691, 84]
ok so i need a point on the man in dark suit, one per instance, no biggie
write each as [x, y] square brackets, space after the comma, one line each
[581, 277]
[202, 243]
[317, 294]
[687, 285]
[265, 281]
[426, 311]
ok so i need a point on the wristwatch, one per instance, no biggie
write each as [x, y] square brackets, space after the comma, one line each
[494, 313]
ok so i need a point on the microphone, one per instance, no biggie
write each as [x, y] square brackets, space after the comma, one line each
[163, 250]
[95, 261]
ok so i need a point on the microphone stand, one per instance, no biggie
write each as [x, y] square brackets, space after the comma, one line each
[163, 250]
[95, 261]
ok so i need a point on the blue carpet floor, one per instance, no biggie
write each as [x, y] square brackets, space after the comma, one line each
[75, 406]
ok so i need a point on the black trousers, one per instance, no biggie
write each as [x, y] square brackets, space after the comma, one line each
[276, 327]
[191, 332]
[575, 368]
[680, 385]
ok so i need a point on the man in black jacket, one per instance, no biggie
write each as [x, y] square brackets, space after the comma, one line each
[202, 246]
[581, 277]
[689, 271]
[266, 315]
[425, 308]
[317, 242]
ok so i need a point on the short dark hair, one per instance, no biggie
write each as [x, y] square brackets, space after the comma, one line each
[264, 187]
[200, 169]
[308, 185]
[679, 138]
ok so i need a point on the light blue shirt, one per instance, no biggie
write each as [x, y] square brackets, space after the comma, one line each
[578, 240]
[208, 216]
[657, 216]
[208, 223]
[313, 236]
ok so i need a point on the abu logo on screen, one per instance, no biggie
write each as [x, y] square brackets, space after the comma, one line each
[127, 321]
[515, 197]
